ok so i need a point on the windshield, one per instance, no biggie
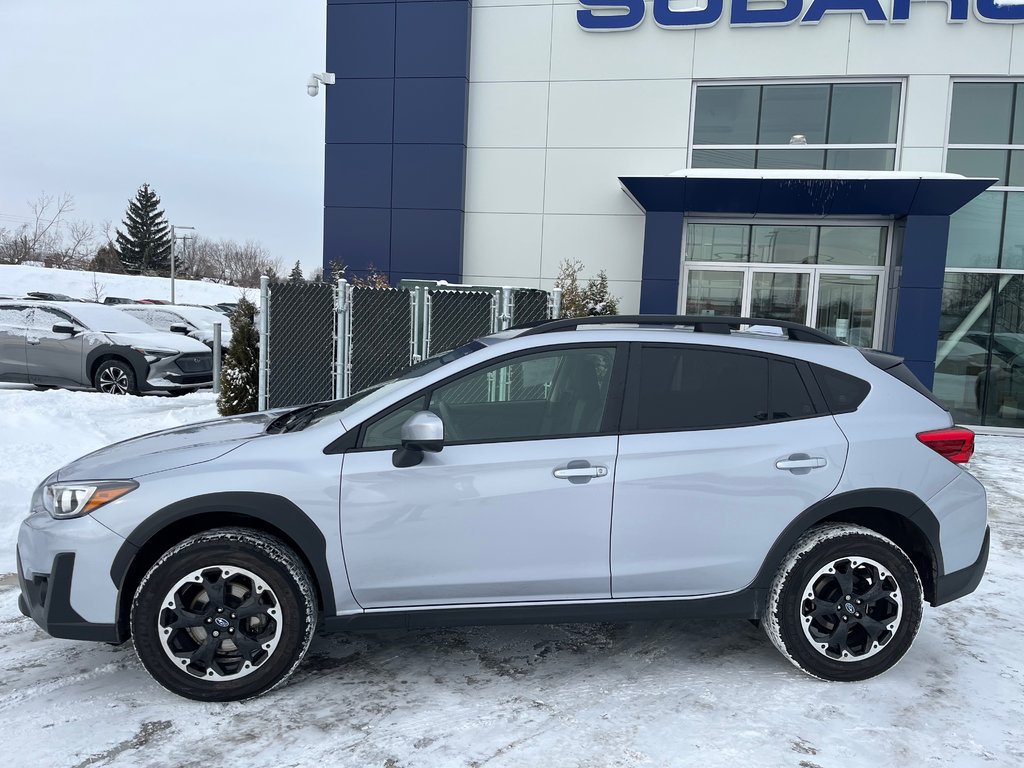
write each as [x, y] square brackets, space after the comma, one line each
[301, 418]
[97, 317]
[203, 318]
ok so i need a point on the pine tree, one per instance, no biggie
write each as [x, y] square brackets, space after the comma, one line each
[145, 245]
[295, 276]
[597, 299]
[592, 299]
[239, 377]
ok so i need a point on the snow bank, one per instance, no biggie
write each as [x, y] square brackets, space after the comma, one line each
[19, 279]
[42, 431]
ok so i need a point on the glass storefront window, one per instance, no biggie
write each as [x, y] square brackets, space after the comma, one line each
[780, 295]
[1013, 232]
[714, 292]
[717, 242]
[726, 114]
[864, 113]
[784, 245]
[979, 367]
[846, 307]
[981, 113]
[800, 159]
[974, 233]
[752, 116]
[981, 163]
[787, 110]
[864, 246]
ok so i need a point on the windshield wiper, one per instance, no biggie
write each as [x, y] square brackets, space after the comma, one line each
[296, 419]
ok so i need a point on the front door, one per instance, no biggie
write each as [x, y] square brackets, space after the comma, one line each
[53, 358]
[13, 327]
[517, 505]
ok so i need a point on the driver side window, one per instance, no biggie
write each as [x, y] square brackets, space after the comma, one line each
[557, 393]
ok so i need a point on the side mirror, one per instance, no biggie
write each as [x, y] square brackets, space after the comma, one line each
[423, 432]
[179, 328]
[67, 328]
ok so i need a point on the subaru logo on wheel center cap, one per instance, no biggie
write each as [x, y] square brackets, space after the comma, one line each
[220, 621]
[849, 609]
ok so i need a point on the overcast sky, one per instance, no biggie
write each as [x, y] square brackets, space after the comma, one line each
[204, 99]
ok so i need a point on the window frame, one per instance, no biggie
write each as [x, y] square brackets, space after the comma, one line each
[896, 146]
[631, 405]
[610, 421]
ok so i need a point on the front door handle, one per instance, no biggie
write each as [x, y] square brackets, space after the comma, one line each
[801, 463]
[579, 471]
[33, 342]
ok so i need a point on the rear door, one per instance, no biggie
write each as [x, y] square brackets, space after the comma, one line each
[721, 449]
[13, 327]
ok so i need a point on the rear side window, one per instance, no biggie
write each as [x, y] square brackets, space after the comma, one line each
[843, 393]
[789, 396]
[683, 388]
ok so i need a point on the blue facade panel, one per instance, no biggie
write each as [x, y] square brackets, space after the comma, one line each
[372, 123]
[432, 39]
[427, 242]
[394, 175]
[361, 40]
[357, 175]
[358, 237]
[431, 110]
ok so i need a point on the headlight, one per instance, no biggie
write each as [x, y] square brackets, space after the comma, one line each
[152, 355]
[64, 500]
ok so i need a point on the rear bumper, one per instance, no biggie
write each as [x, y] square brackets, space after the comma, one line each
[966, 580]
[46, 599]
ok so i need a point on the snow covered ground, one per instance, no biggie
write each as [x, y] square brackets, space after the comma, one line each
[710, 693]
[17, 280]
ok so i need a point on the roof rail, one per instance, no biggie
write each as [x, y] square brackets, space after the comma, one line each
[699, 323]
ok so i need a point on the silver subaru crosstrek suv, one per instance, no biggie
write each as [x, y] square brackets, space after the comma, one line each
[594, 469]
[75, 344]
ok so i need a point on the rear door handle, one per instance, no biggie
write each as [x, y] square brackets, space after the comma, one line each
[579, 471]
[801, 463]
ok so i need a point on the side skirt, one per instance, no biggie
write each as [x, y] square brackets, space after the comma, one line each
[746, 604]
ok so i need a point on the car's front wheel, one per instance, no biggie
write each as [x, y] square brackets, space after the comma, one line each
[224, 615]
[846, 603]
[115, 377]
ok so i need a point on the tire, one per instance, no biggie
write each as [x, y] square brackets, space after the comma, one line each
[115, 377]
[813, 615]
[241, 583]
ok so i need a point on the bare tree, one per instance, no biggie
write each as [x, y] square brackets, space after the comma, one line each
[230, 262]
[46, 236]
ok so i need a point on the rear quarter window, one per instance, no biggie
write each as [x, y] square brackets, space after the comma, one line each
[843, 393]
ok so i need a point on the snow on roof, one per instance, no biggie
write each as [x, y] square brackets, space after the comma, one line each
[765, 173]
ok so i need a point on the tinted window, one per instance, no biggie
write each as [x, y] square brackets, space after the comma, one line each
[559, 392]
[684, 388]
[843, 393]
[44, 319]
[788, 393]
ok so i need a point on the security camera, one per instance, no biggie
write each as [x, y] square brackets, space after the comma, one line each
[313, 84]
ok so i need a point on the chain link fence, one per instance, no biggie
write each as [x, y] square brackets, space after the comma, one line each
[300, 343]
[319, 341]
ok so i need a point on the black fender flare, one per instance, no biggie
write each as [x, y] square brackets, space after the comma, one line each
[277, 511]
[897, 502]
[133, 358]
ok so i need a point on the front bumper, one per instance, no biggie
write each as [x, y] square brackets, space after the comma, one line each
[193, 369]
[64, 574]
[46, 599]
[959, 583]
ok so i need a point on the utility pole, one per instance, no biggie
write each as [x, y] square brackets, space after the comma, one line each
[173, 244]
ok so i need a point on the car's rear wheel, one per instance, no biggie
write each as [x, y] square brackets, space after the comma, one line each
[115, 377]
[224, 615]
[846, 604]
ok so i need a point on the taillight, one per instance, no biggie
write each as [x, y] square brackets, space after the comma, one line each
[954, 443]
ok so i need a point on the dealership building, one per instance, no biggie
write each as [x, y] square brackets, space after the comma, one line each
[857, 165]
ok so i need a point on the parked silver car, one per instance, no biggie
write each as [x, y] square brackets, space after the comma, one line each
[595, 469]
[196, 322]
[71, 344]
